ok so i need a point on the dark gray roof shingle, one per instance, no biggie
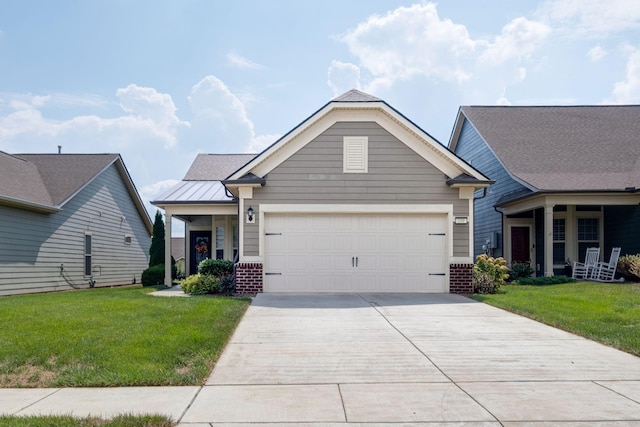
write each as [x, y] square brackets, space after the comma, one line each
[64, 174]
[562, 148]
[216, 167]
[355, 95]
[21, 181]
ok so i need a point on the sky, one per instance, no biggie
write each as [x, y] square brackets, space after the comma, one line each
[160, 81]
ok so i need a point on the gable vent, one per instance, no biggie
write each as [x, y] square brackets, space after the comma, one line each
[355, 154]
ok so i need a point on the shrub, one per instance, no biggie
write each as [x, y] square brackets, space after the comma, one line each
[629, 267]
[215, 267]
[520, 269]
[228, 285]
[200, 284]
[489, 274]
[541, 281]
[153, 276]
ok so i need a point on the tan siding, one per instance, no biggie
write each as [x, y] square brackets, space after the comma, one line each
[33, 246]
[397, 175]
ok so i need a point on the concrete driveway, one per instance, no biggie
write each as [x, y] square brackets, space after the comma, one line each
[387, 359]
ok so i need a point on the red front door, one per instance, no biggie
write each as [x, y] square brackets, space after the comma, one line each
[520, 245]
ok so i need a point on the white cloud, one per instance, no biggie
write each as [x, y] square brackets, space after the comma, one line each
[239, 61]
[591, 18]
[153, 108]
[220, 119]
[519, 39]
[627, 91]
[596, 53]
[411, 41]
[342, 77]
[414, 41]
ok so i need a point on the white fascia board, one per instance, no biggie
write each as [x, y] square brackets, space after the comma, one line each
[355, 209]
[379, 112]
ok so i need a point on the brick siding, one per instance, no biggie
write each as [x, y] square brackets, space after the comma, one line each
[461, 278]
[248, 278]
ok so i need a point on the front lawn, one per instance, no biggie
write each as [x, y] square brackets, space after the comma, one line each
[69, 421]
[604, 312]
[112, 337]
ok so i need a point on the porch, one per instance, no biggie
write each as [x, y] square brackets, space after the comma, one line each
[550, 231]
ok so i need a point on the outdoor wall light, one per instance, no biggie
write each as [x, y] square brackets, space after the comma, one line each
[250, 214]
[461, 220]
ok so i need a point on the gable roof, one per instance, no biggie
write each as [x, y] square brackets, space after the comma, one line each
[355, 105]
[562, 148]
[46, 182]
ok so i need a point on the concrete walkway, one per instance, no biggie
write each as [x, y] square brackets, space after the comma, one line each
[370, 360]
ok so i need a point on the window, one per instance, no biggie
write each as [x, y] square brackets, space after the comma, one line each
[87, 254]
[355, 154]
[588, 235]
[127, 239]
[559, 241]
[219, 242]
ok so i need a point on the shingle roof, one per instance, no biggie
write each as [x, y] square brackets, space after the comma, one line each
[20, 181]
[563, 148]
[216, 167]
[65, 174]
[355, 95]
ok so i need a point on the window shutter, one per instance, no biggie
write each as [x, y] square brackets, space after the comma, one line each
[355, 154]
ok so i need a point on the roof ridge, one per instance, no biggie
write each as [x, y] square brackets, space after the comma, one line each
[355, 95]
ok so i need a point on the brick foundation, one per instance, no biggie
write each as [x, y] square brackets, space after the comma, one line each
[461, 278]
[248, 278]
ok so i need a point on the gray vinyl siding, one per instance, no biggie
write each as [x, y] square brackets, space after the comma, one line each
[621, 229]
[396, 175]
[33, 246]
[475, 151]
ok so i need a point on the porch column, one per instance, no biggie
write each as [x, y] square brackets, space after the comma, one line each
[167, 248]
[548, 240]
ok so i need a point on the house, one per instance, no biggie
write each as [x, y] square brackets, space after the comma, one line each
[67, 220]
[566, 178]
[355, 198]
[177, 252]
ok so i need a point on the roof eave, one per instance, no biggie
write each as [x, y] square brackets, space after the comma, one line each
[31, 206]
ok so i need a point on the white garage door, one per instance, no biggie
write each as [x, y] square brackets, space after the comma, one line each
[355, 253]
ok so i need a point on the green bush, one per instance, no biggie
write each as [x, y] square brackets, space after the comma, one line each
[629, 267]
[489, 274]
[153, 276]
[541, 281]
[520, 269]
[216, 267]
[228, 285]
[200, 284]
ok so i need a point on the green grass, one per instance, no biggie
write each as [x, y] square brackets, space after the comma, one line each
[112, 337]
[604, 312]
[69, 421]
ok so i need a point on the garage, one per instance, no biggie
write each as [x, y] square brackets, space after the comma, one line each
[331, 252]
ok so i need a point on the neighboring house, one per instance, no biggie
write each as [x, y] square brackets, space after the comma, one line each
[566, 178]
[66, 219]
[355, 198]
[177, 252]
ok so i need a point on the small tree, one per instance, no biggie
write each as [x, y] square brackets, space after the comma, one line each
[156, 251]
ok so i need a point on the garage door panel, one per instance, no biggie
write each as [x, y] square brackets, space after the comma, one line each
[355, 253]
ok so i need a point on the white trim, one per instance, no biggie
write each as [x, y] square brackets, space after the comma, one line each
[379, 112]
[461, 260]
[358, 209]
[352, 208]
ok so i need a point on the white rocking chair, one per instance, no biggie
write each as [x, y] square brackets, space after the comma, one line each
[606, 271]
[586, 269]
